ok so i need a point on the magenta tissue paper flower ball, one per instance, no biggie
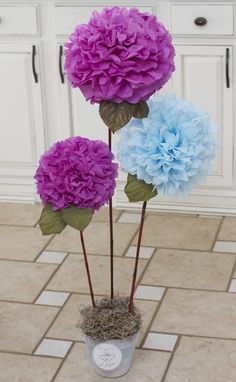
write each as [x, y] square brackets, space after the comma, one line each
[77, 171]
[120, 55]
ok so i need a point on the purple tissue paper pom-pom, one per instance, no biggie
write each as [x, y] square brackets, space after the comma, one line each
[77, 171]
[119, 55]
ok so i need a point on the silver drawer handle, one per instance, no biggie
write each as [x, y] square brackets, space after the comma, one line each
[200, 21]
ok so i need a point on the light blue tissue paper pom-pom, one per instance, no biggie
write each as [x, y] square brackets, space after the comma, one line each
[172, 148]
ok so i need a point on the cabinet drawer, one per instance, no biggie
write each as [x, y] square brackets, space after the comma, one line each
[18, 20]
[68, 17]
[218, 19]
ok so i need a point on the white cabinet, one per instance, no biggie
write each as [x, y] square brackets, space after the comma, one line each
[67, 17]
[21, 120]
[31, 110]
[201, 77]
[218, 19]
[18, 20]
[78, 117]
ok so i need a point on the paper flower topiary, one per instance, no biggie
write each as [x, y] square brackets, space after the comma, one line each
[172, 148]
[77, 171]
[119, 55]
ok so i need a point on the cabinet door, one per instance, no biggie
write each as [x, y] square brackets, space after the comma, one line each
[78, 117]
[201, 77]
[21, 132]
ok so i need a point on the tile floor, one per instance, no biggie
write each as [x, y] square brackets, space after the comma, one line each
[186, 292]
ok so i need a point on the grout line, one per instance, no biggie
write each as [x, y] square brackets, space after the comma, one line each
[63, 339]
[146, 300]
[189, 250]
[79, 341]
[78, 293]
[217, 233]
[37, 222]
[159, 350]
[28, 354]
[62, 363]
[16, 302]
[193, 250]
[147, 260]
[170, 359]
[22, 261]
[93, 254]
[132, 239]
[51, 306]
[197, 290]
[156, 248]
[18, 225]
[33, 304]
[152, 319]
[129, 243]
[151, 350]
[50, 278]
[44, 247]
[195, 335]
[45, 332]
[182, 288]
[231, 276]
[227, 241]
[118, 217]
[143, 272]
[147, 246]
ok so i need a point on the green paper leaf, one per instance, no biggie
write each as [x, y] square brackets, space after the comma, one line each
[78, 218]
[51, 221]
[138, 190]
[141, 110]
[116, 115]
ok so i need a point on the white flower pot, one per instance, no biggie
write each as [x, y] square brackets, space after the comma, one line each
[111, 358]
